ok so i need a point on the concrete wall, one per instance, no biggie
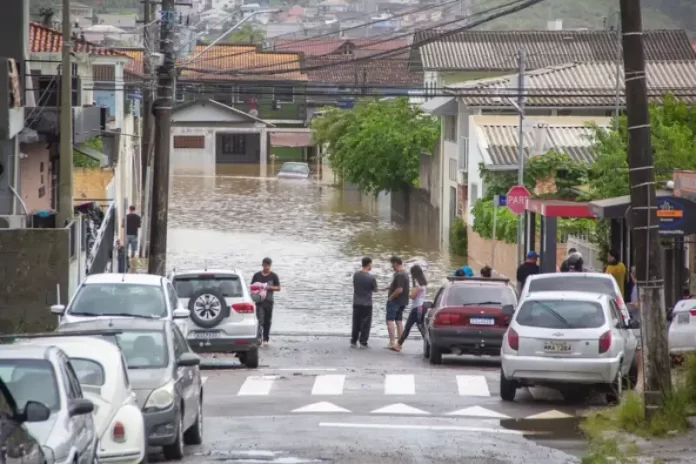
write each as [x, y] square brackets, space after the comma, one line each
[32, 263]
[414, 208]
[91, 183]
[36, 182]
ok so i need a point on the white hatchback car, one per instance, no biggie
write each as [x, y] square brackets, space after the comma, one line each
[682, 329]
[572, 341]
[123, 295]
[223, 315]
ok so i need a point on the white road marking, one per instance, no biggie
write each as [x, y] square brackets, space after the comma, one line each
[440, 428]
[400, 385]
[552, 414]
[204, 380]
[399, 408]
[478, 411]
[328, 385]
[257, 385]
[321, 407]
[472, 385]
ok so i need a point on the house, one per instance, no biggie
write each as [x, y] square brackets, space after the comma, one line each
[77, 10]
[327, 7]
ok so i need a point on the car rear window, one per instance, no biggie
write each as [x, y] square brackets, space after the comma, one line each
[88, 372]
[144, 349]
[119, 299]
[469, 295]
[573, 284]
[557, 314]
[295, 168]
[229, 285]
[31, 380]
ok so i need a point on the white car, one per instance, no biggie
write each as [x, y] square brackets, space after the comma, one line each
[592, 282]
[572, 341]
[682, 329]
[123, 295]
[223, 315]
[102, 372]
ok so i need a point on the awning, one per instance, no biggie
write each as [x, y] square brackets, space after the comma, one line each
[91, 153]
[440, 106]
[291, 139]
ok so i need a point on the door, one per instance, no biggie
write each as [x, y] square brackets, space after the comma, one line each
[186, 378]
[628, 342]
[82, 430]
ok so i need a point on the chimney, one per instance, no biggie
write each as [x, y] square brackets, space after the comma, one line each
[555, 25]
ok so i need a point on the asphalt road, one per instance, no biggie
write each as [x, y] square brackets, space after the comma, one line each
[316, 400]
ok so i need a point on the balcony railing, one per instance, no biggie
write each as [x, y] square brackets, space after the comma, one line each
[100, 243]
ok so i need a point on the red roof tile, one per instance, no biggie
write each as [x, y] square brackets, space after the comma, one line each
[387, 71]
[43, 39]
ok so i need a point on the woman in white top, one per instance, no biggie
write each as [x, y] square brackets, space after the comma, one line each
[417, 295]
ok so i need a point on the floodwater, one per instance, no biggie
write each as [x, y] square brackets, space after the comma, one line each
[315, 234]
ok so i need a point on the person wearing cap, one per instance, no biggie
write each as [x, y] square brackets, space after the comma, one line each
[529, 267]
[264, 308]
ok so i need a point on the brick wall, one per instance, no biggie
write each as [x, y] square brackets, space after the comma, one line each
[32, 263]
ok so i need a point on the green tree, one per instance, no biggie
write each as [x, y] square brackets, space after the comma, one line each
[80, 160]
[377, 145]
[247, 34]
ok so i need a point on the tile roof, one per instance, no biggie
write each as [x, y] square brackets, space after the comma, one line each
[371, 72]
[220, 61]
[496, 50]
[579, 84]
[43, 39]
[502, 142]
[326, 46]
[134, 66]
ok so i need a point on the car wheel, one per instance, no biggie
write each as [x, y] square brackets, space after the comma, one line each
[508, 388]
[616, 388]
[251, 358]
[208, 307]
[194, 435]
[426, 349]
[435, 355]
[175, 451]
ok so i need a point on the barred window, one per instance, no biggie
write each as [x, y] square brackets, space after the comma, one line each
[189, 141]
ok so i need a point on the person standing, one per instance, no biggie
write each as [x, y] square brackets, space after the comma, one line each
[132, 227]
[397, 300]
[417, 295]
[527, 268]
[617, 270]
[486, 272]
[264, 308]
[564, 265]
[364, 285]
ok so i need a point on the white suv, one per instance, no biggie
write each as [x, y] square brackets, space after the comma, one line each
[222, 313]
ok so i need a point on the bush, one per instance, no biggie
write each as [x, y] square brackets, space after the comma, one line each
[458, 237]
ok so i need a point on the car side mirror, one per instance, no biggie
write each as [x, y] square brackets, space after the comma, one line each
[35, 412]
[80, 407]
[181, 313]
[188, 360]
[58, 309]
[508, 310]
[428, 305]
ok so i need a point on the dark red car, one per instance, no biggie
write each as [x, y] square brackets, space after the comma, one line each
[468, 316]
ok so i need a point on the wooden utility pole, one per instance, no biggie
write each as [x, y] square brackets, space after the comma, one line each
[65, 183]
[645, 226]
[147, 138]
[162, 109]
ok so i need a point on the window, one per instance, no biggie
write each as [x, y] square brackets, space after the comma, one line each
[229, 285]
[452, 170]
[196, 142]
[450, 128]
[173, 298]
[284, 94]
[124, 364]
[88, 372]
[247, 94]
[119, 299]
[179, 93]
[463, 295]
[180, 340]
[233, 144]
[438, 298]
[295, 168]
[474, 194]
[144, 349]
[573, 284]
[559, 314]
[75, 388]
[31, 380]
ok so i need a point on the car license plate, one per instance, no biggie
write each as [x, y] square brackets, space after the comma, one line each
[557, 347]
[207, 334]
[683, 318]
[482, 321]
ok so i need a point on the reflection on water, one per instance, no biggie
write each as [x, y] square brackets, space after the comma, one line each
[316, 236]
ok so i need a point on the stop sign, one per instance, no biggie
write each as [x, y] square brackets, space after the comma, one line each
[517, 199]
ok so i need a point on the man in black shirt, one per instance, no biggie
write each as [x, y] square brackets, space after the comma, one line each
[397, 301]
[264, 308]
[527, 268]
[132, 227]
[364, 285]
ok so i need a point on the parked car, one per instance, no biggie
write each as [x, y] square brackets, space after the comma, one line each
[42, 376]
[592, 282]
[223, 315]
[164, 375]
[467, 317]
[101, 370]
[682, 328]
[123, 295]
[19, 446]
[294, 170]
[572, 341]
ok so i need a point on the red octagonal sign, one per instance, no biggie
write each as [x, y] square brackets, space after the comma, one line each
[517, 199]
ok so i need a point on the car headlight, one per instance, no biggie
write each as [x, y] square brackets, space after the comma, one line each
[49, 457]
[161, 398]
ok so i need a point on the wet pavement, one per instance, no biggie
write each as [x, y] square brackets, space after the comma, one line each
[315, 234]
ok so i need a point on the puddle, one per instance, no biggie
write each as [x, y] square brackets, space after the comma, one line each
[258, 456]
[549, 429]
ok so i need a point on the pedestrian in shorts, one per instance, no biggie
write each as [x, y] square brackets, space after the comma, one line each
[364, 285]
[397, 300]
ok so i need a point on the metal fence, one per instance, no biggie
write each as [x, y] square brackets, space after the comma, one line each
[100, 250]
[591, 254]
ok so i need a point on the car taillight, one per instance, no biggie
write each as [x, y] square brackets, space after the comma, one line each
[605, 342]
[692, 312]
[119, 432]
[243, 307]
[513, 339]
[445, 318]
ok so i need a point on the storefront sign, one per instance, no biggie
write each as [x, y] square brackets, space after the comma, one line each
[670, 213]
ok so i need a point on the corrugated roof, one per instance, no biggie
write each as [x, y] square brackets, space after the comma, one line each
[502, 141]
[328, 46]
[392, 72]
[220, 61]
[580, 84]
[497, 50]
[43, 39]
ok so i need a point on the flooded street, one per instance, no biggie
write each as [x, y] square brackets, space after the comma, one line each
[315, 234]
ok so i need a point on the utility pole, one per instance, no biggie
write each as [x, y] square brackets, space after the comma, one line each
[65, 185]
[648, 262]
[162, 109]
[520, 150]
[146, 141]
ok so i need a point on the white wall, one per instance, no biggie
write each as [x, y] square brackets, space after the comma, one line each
[476, 157]
[125, 184]
[187, 159]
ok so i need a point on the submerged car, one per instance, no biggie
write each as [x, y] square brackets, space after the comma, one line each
[294, 170]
